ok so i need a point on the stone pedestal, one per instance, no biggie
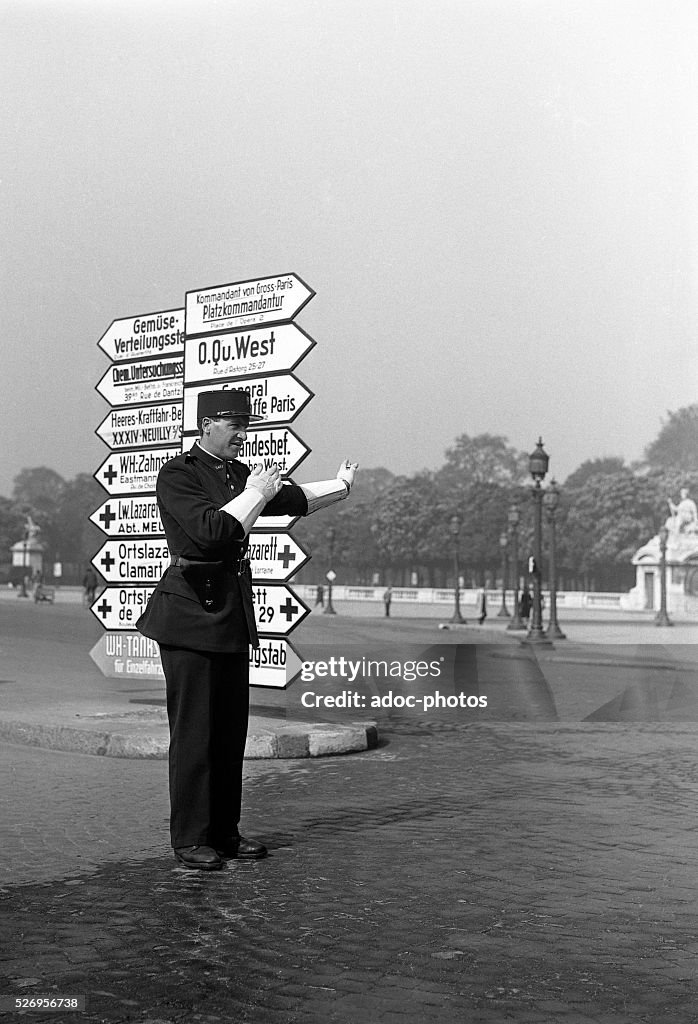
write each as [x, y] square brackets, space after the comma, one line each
[28, 555]
[681, 571]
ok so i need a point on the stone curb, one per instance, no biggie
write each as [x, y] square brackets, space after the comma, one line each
[109, 738]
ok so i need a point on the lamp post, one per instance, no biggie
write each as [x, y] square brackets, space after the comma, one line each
[661, 618]
[503, 543]
[455, 531]
[514, 518]
[329, 610]
[538, 466]
[551, 500]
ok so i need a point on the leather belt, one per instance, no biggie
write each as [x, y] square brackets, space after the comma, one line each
[241, 566]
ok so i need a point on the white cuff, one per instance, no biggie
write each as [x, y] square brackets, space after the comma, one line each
[321, 493]
[246, 507]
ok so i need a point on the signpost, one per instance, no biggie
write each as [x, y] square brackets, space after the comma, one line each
[278, 398]
[259, 350]
[275, 663]
[239, 335]
[133, 472]
[265, 300]
[141, 560]
[121, 607]
[150, 334]
[149, 380]
[278, 609]
[143, 430]
[275, 556]
[129, 517]
[139, 427]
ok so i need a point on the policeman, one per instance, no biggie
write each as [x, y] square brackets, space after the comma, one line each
[201, 614]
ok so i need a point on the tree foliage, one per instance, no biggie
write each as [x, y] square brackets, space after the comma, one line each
[398, 525]
[676, 446]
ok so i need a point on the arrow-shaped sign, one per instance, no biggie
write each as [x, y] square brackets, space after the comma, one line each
[276, 445]
[127, 656]
[150, 425]
[264, 300]
[129, 517]
[275, 556]
[149, 380]
[275, 663]
[258, 350]
[133, 472]
[150, 334]
[278, 399]
[132, 561]
[121, 607]
[278, 609]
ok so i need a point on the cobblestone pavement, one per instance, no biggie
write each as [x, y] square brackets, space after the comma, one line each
[527, 873]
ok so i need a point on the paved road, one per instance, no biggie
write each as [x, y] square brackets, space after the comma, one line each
[524, 873]
[532, 870]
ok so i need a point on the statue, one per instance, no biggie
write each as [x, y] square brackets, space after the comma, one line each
[31, 529]
[684, 515]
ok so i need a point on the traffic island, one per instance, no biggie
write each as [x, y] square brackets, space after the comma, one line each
[145, 734]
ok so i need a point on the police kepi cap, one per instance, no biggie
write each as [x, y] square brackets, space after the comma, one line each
[234, 402]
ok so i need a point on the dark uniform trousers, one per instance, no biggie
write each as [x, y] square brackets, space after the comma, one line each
[207, 708]
[204, 644]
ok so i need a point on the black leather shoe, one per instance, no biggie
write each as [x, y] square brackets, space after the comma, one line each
[239, 848]
[202, 857]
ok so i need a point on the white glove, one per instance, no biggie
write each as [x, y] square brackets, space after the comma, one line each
[267, 481]
[347, 472]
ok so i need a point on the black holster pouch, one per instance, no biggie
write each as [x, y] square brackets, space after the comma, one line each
[207, 582]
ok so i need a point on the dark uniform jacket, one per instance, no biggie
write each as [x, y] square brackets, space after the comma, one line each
[204, 603]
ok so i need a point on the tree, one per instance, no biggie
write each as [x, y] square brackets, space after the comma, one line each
[676, 445]
[12, 520]
[593, 467]
[603, 523]
[484, 459]
[38, 488]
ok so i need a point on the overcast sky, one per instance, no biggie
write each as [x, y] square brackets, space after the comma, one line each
[494, 200]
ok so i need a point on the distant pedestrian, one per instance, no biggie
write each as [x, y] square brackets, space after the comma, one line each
[481, 606]
[320, 596]
[89, 582]
[525, 603]
[387, 598]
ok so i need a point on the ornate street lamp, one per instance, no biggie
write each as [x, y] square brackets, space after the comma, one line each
[661, 618]
[503, 543]
[538, 466]
[455, 531]
[330, 576]
[551, 500]
[514, 518]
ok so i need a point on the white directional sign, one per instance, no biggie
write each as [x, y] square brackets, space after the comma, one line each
[121, 607]
[259, 350]
[149, 380]
[278, 399]
[275, 557]
[275, 522]
[275, 663]
[150, 425]
[133, 472]
[127, 656]
[132, 561]
[278, 610]
[129, 517]
[151, 334]
[278, 445]
[263, 300]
